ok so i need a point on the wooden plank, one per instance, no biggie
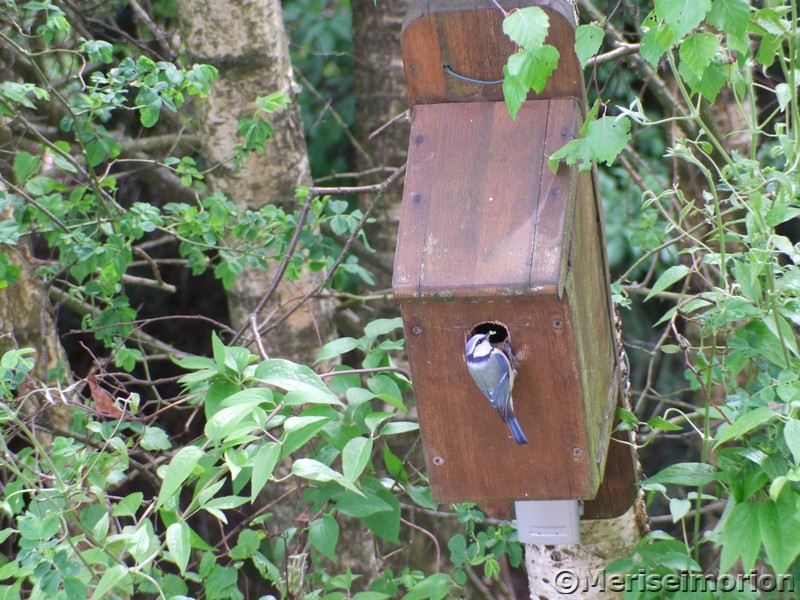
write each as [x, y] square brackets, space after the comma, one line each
[556, 206]
[469, 452]
[471, 41]
[469, 219]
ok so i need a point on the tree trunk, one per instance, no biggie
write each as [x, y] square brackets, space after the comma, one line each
[380, 98]
[247, 42]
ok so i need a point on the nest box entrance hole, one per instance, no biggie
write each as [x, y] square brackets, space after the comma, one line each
[498, 333]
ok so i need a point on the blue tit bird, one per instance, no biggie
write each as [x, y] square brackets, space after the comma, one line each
[494, 371]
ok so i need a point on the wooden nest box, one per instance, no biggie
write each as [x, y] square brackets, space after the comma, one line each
[491, 238]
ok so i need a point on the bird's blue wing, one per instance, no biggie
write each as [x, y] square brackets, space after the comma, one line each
[501, 394]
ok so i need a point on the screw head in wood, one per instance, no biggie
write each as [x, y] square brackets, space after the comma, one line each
[558, 324]
[438, 461]
[416, 331]
[577, 452]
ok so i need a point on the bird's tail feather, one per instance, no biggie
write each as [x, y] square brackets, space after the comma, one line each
[516, 431]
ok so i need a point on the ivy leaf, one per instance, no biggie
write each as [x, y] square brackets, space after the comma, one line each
[682, 15]
[588, 39]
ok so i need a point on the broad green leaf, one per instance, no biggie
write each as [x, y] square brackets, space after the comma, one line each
[378, 327]
[226, 421]
[689, 474]
[109, 579]
[178, 471]
[669, 277]
[264, 463]
[311, 469]
[337, 348]
[514, 92]
[355, 457]
[323, 533]
[698, 50]
[433, 587]
[527, 27]
[533, 67]
[291, 377]
[746, 423]
[732, 17]
[604, 140]
[128, 506]
[399, 427]
[155, 438]
[678, 507]
[791, 435]
[361, 506]
[26, 165]
[739, 537]
[714, 78]
[682, 15]
[385, 525]
[662, 424]
[588, 39]
[178, 544]
[299, 430]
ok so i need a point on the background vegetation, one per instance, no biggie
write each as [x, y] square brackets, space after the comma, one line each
[146, 454]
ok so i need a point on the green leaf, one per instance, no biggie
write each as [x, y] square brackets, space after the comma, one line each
[434, 587]
[662, 424]
[682, 15]
[533, 67]
[746, 423]
[355, 457]
[292, 377]
[689, 474]
[109, 580]
[299, 430]
[732, 17]
[672, 275]
[362, 506]
[779, 525]
[396, 427]
[336, 348]
[155, 438]
[178, 471]
[264, 463]
[308, 468]
[588, 39]
[714, 78]
[178, 544]
[678, 507]
[226, 421]
[791, 435]
[25, 166]
[604, 139]
[385, 525]
[527, 27]
[738, 537]
[323, 533]
[128, 506]
[697, 52]
[514, 92]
